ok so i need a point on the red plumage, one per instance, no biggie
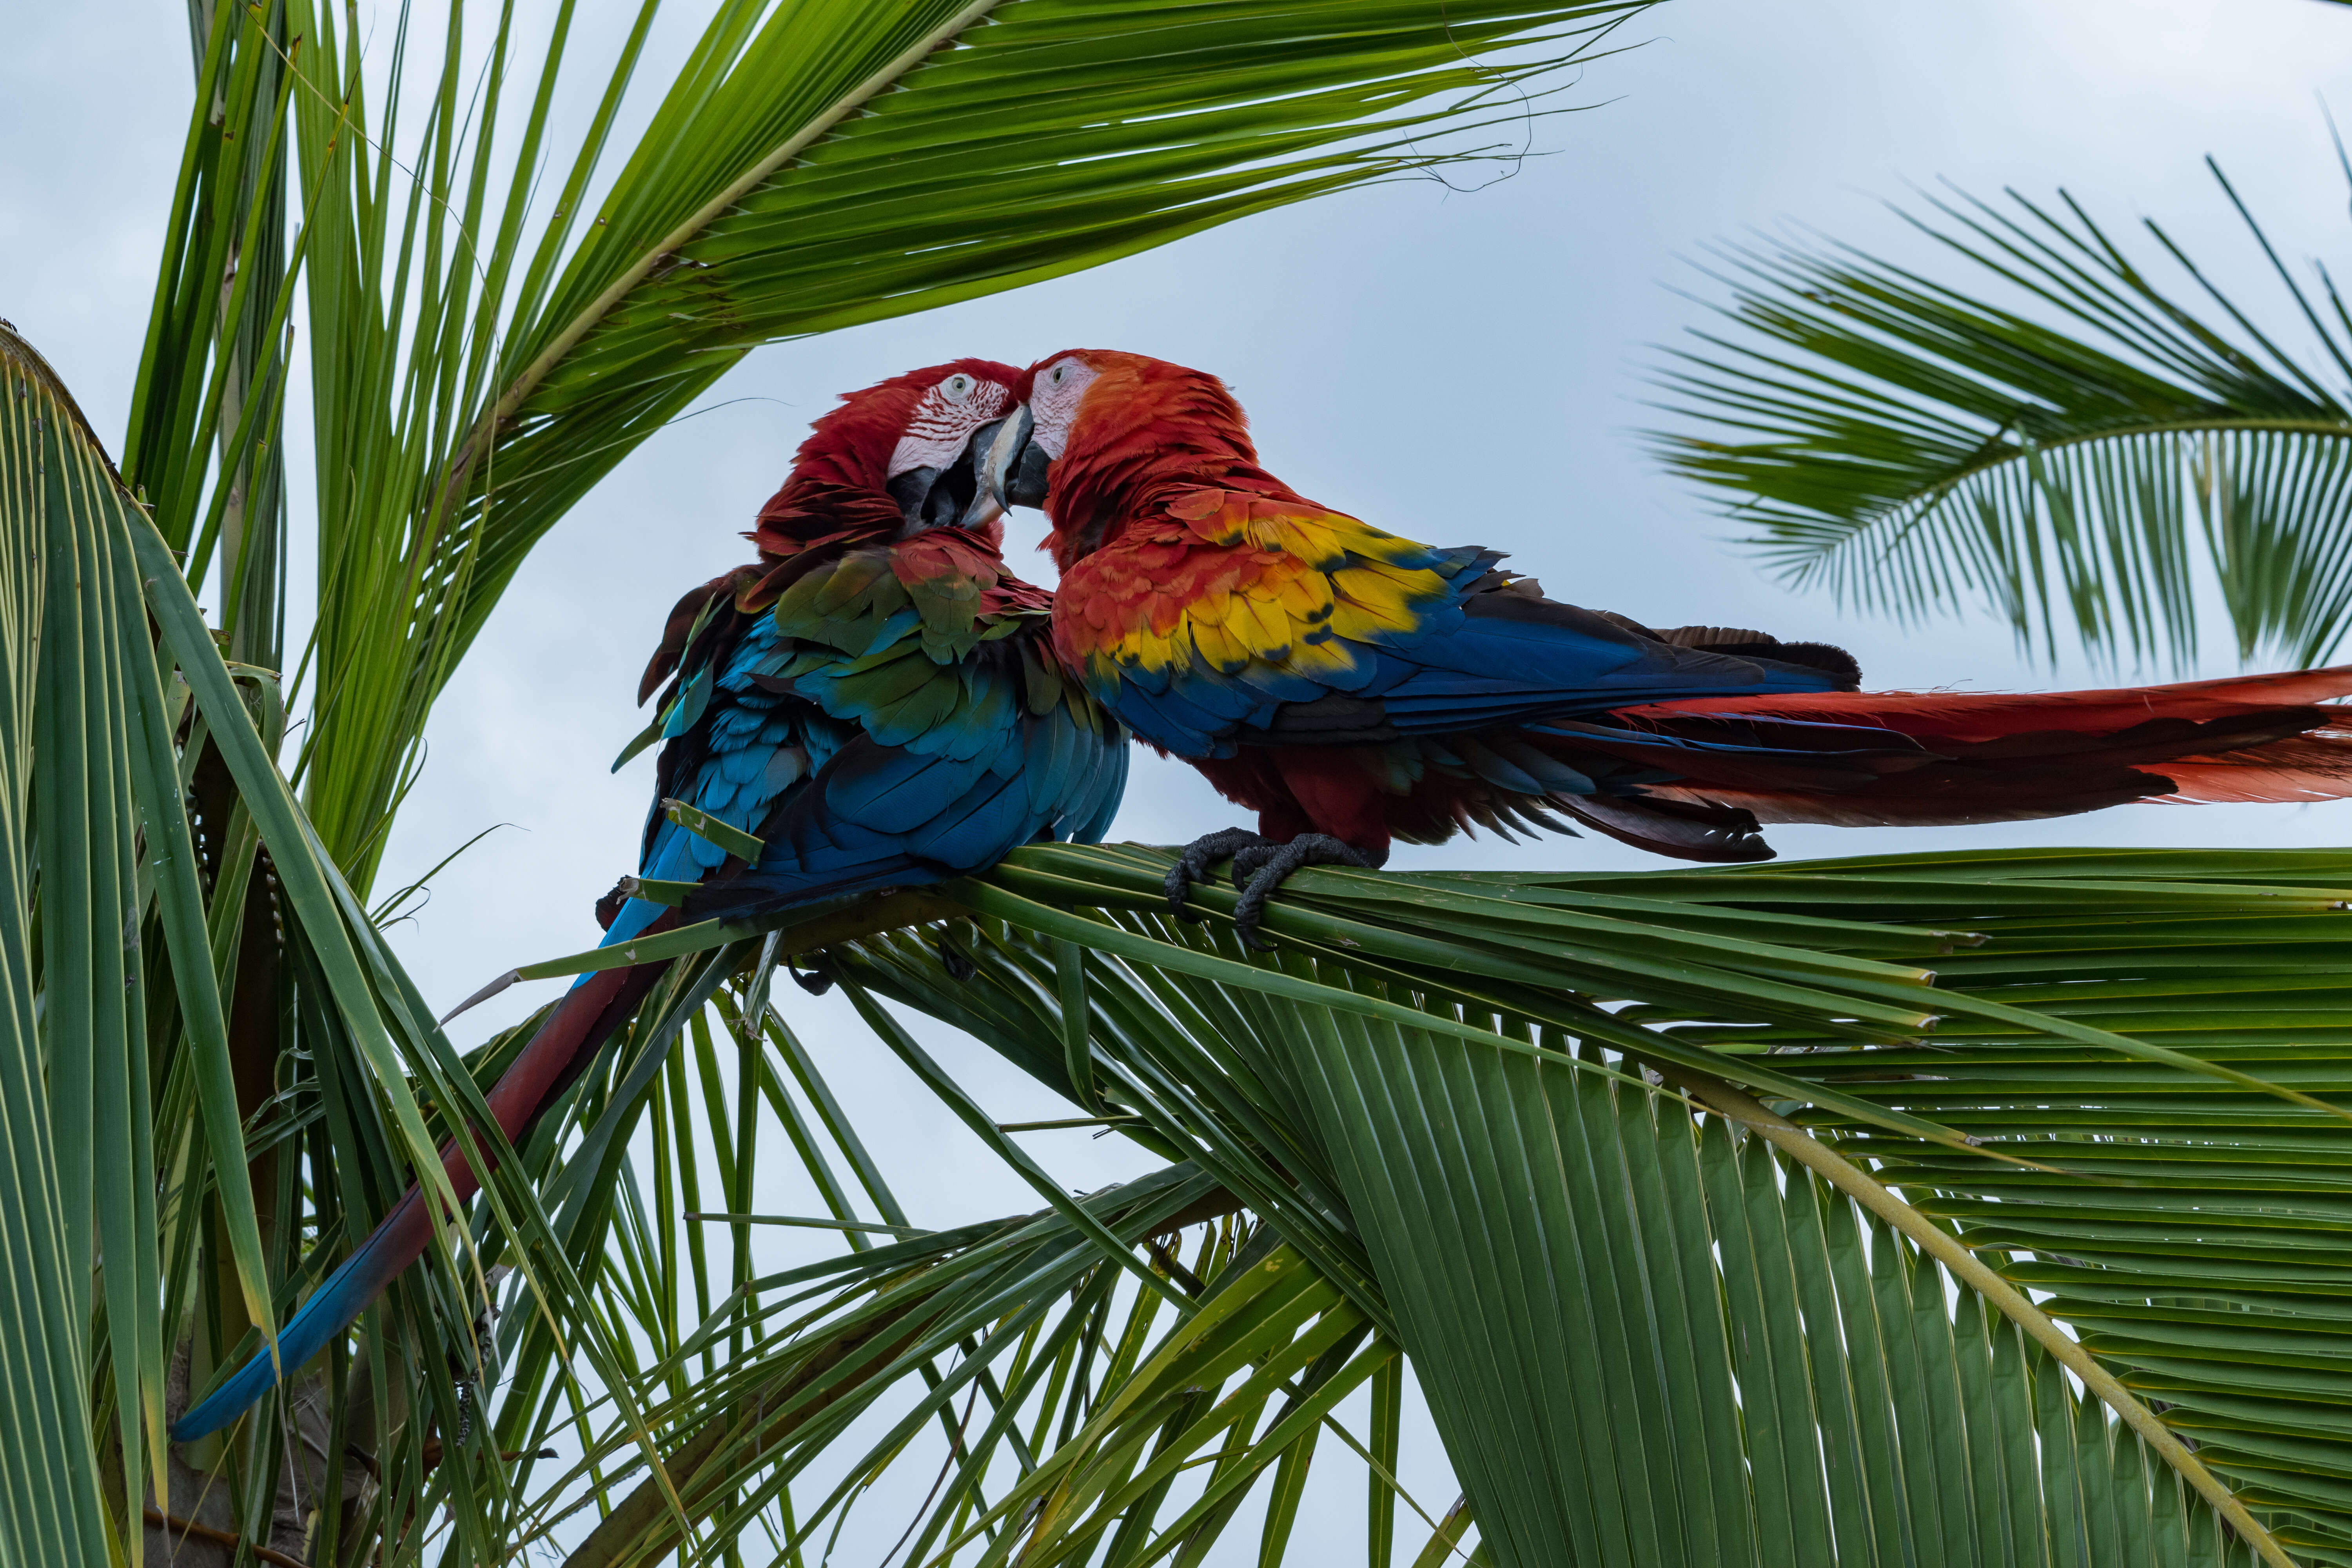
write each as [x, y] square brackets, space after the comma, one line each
[1162, 518]
[837, 489]
[2003, 756]
[1967, 716]
[1177, 431]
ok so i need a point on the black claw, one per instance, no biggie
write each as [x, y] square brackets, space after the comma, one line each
[813, 980]
[1194, 864]
[1273, 866]
[952, 960]
[1249, 862]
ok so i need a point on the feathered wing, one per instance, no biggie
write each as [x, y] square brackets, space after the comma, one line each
[1230, 627]
[1227, 622]
[1228, 619]
[956, 767]
[881, 718]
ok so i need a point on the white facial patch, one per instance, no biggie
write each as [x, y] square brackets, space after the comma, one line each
[1054, 399]
[944, 420]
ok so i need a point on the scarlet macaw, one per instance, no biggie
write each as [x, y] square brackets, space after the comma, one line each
[875, 699]
[1355, 687]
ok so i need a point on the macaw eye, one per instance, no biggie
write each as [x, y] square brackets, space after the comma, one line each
[957, 385]
[1057, 373]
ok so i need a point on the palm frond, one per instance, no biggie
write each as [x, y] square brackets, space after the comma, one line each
[2114, 1051]
[1027, 1310]
[205, 451]
[479, 362]
[2059, 436]
[1642, 1279]
[1517, 1197]
[2071, 1157]
[72, 1030]
[155, 1223]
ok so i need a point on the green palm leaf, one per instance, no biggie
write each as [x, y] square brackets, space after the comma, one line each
[155, 1182]
[1565, 1252]
[2220, 956]
[480, 361]
[204, 448]
[1029, 1302]
[2063, 1115]
[65, 1069]
[124, 965]
[2066, 435]
[1645, 1280]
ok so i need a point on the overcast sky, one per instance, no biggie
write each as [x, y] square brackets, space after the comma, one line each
[1457, 367]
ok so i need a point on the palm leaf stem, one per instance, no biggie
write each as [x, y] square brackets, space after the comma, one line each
[1971, 1270]
[568, 336]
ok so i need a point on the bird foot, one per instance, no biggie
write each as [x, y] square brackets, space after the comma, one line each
[813, 980]
[1267, 866]
[1194, 864]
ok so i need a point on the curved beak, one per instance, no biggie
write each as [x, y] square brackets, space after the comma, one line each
[1016, 470]
[981, 504]
[952, 496]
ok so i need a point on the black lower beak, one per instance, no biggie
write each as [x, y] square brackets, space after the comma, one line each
[1016, 470]
[949, 497]
[1031, 475]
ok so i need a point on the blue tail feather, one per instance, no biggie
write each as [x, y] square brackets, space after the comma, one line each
[331, 1309]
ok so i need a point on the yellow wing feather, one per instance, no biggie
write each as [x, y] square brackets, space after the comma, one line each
[1253, 580]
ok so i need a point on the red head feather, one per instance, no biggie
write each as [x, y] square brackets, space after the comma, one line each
[836, 488]
[1123, 429]
[837, 494]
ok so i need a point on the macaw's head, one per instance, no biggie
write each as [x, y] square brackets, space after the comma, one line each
[897, 458]
[1096, 431]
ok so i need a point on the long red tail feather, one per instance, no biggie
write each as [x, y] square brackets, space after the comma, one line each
[2006, 756]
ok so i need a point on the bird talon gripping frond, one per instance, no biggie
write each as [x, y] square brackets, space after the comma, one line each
[669, 895]
[1198, 859]
[1271, 865]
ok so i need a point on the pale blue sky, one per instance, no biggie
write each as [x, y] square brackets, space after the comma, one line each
[1458, 367]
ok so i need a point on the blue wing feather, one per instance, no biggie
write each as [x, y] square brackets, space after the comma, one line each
[865, 762]
[1494, 658]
